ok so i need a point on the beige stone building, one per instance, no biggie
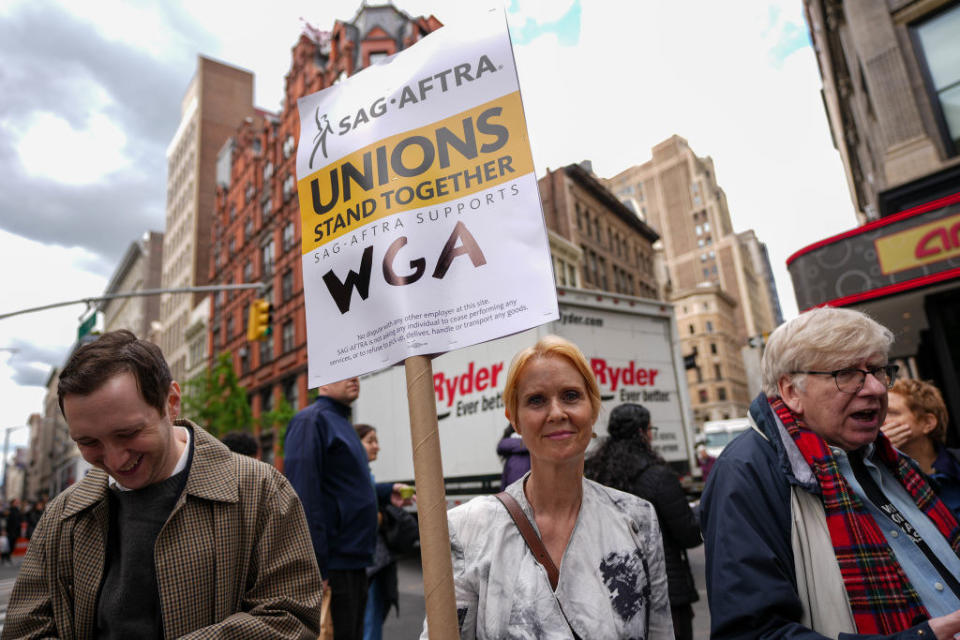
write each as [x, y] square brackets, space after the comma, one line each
[55, 462]
[596, 242]
[722, 274]
[891, 90]
[718, 383]
[216, 102]
[139, 270]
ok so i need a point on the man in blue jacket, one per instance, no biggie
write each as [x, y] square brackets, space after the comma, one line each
[327, 466]
[815, 526]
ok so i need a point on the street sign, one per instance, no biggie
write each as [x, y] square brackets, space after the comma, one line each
[86, 326]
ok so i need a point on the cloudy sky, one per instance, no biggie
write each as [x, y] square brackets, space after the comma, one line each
[91, 97]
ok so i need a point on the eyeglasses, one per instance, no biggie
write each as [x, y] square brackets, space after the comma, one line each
[851, 380]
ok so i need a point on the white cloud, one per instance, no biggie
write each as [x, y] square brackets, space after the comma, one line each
[133, 23]
[51, 148]
[37, 275]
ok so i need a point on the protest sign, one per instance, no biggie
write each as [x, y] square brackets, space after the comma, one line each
[422, 230]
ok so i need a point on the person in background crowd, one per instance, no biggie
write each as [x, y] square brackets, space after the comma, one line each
[242, 442]
[5, 548]
[327, 465]
[169, 535]
[515, 457]
[14, 523]
[917, 425]
[33, 516]
[602, 576]
[704, 461]
[382, 574]
[814, 525]
[626, 461]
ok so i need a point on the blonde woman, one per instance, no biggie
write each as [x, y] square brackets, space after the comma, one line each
[602, 575]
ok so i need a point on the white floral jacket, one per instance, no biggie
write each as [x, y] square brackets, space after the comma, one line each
[612, 585]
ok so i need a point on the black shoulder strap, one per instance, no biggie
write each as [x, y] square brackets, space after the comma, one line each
[535, 544]
[530, 537]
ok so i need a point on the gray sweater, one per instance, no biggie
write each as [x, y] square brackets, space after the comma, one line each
[129, 603]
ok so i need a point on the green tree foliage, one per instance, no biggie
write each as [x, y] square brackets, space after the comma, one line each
[277, 419]
[217, 401]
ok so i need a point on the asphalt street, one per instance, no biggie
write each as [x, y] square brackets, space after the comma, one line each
[408, 623]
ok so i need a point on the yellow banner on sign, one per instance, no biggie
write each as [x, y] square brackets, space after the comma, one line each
[931, 242]
[443, 161]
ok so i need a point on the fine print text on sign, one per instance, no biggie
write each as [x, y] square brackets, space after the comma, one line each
[422, 230]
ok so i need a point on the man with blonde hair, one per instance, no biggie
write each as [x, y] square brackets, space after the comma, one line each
[814, 525]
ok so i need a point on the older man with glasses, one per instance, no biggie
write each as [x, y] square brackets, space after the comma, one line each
[815, 526]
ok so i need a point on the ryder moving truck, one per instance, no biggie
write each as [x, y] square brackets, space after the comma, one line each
[632, 347]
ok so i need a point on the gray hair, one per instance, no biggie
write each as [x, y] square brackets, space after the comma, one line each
[825, 339]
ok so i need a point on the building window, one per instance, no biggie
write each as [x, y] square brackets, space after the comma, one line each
[266, 259]
[249, 192]
[248, 229]
[289, 237]
[266, 400]
[267, 207]
[692, 330]
[268, 171]
[266, 351]
[289, 146]
[288, 336]
[709, 326]
[290, 392]
[713, 348]
[289, 187]
[940, 50]
[248, 271]
[721, 393]
[286, 285]
[244, 354]
[703, 396]
[229, 326]
[232, 246]
[717, 373]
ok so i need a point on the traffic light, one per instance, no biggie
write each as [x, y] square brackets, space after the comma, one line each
[260, 320]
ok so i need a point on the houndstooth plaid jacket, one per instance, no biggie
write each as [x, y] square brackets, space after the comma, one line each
[234, 559]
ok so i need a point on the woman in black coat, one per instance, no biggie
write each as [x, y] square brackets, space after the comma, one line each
[626, 461]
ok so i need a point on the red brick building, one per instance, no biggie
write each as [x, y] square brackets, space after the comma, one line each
[256, 229]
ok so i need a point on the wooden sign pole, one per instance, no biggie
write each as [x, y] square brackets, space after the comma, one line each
[431, 501]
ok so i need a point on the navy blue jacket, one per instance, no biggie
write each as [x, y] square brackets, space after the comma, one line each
[326, 463]
[750, 571]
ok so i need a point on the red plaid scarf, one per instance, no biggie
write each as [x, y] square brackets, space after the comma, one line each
[881, 597]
